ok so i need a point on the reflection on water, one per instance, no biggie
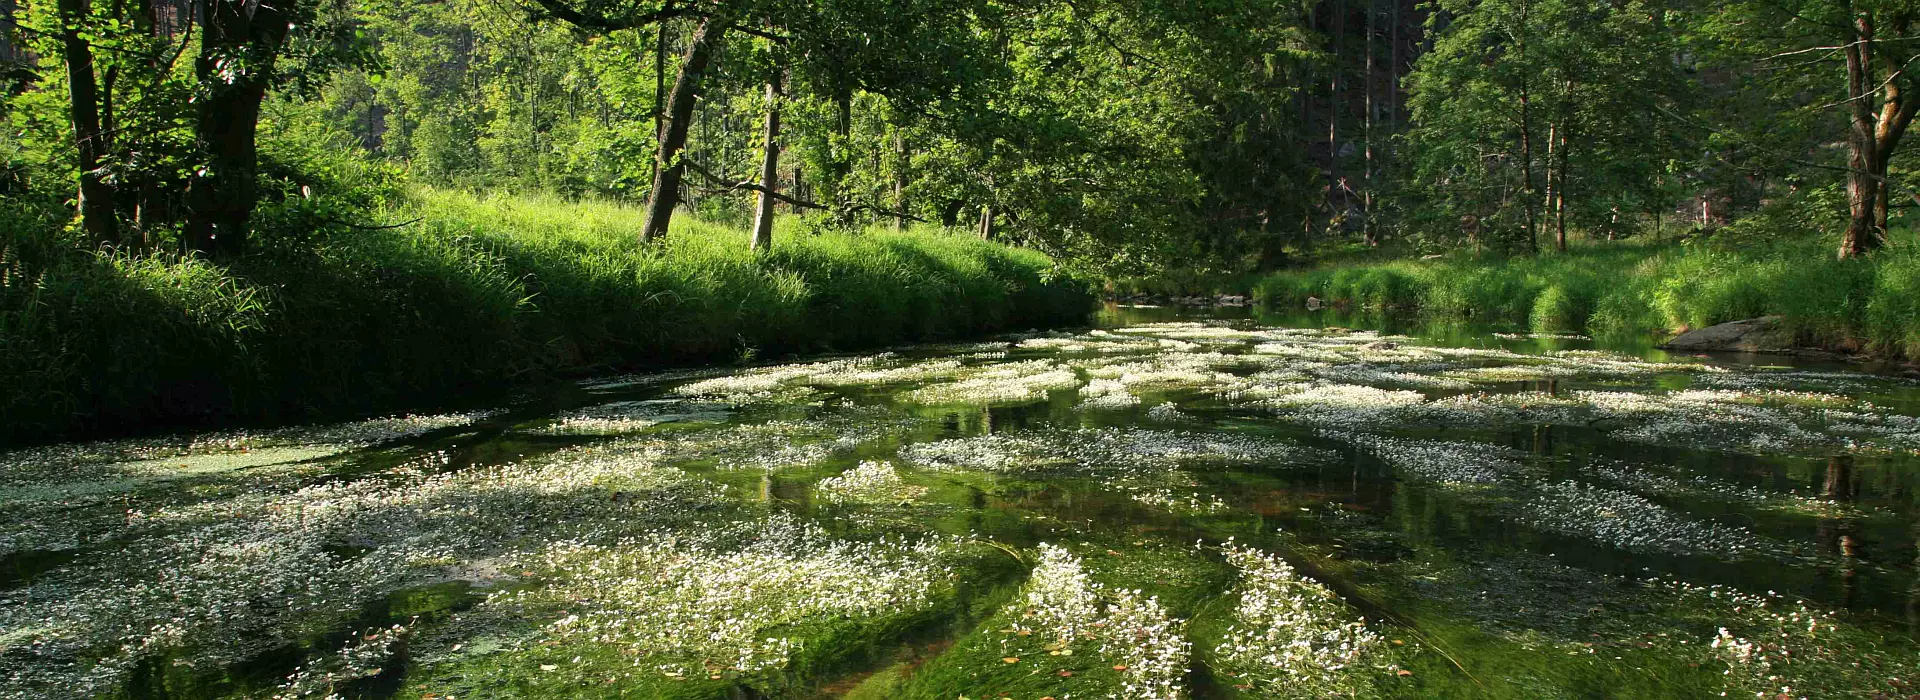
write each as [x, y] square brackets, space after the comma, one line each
[1205, 503]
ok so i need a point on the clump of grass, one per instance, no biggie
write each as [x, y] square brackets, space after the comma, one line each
[485, 289]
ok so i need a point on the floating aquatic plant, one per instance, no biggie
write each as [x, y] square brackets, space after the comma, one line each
[1440, 461]
[1630, 522]
[1015, 382]
[693, 605]
[1106, 394]
[1062, 606]
[1292, 636]
[632, 416]
[870, 482]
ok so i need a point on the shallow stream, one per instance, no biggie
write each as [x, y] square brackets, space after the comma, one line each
[1175, 504]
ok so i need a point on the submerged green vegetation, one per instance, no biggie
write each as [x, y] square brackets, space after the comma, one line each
[479, 292]
[1273, 513]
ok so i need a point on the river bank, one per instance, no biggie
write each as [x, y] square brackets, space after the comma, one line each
[481, 293]
[1853, 307]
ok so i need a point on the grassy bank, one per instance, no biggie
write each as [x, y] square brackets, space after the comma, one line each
[478, 293]
[1870, 305]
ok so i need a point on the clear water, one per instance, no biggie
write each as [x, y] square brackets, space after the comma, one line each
[1181, 503]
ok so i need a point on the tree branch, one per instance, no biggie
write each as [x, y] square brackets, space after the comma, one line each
[735, 185]
[561, 10]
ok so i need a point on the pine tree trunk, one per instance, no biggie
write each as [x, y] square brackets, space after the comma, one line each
[673, 137]
[769, 168]
[1529, 202]
[220, 201]
[96, 207]
[1366, 122]
[1334, 185]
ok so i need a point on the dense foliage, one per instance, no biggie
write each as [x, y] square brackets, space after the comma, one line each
[1122, 137]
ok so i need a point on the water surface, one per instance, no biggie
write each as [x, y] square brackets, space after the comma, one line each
[1178, 503]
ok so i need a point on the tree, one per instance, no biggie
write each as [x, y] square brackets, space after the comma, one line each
[1523, 104]
[95, 201]
[769, 166]
[1849, 61]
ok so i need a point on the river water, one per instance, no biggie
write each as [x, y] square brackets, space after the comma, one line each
[1176, 503]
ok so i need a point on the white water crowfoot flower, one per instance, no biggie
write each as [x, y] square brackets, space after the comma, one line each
[1181, 503]
[1630, 522]
[1068, 612]
[683, 604]
[1112, 451]
[363, 656]
[1437, 461]
[1106, 394]
[1772, 645]
[1010, 383]
[870, 482]
[1292, 636]
[631, 416]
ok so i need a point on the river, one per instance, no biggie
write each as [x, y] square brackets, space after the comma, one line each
[1175, 503]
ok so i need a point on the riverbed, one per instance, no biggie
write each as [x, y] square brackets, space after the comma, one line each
[1171, 504]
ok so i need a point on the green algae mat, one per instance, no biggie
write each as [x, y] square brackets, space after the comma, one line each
[1183, 508]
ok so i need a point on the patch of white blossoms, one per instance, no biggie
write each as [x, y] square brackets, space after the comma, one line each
[1010, 383]
[363, 656]
[1107, 394]
[1440, 461]
[1630, 522]
[870, 482]
[1066, 609]
[631, 416]
[700, 605]
[1290, 634]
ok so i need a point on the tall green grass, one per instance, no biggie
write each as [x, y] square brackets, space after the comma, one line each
[1614, 289]
[481, 292]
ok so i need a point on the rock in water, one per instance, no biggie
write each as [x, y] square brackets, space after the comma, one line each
[1762, 334]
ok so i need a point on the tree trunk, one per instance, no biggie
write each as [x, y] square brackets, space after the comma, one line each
[769, 168]
[1526, 169]
[1896, 113]
[1863, 182]
[220, 200]
[95, 203]
[986, 223]
[842, 152]
[1560, 194]
[686, 88]
[900, 179]
[1335, 185]
[799, 187]
[1366, 131]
